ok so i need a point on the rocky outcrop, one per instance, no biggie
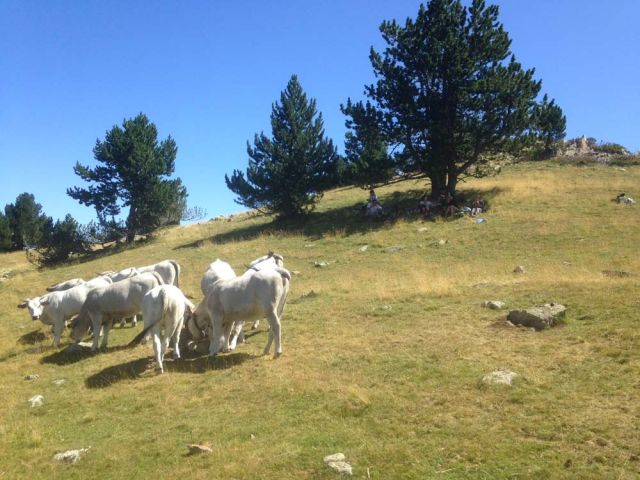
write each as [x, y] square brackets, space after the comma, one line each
[538, 317]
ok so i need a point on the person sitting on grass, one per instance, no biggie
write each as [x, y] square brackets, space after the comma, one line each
[373, 207]
[451, 205]
[477, 207]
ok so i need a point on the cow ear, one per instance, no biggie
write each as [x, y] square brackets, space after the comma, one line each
[23, 304]
[44, 301]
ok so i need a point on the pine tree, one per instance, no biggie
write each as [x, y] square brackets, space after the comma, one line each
[65, 238]
[288, 172]
[27, 222]
[5, 234]
[368, 161]
[132, 172]
[449, 90]
[549, 124]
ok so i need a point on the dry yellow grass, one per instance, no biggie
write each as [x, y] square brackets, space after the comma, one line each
[383, 350]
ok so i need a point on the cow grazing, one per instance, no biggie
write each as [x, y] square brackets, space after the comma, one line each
[56, 307]
[261, 294]
[169, 270]
[165, 310]
[105, 304]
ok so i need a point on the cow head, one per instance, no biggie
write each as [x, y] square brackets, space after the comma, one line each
[79, 327]
[35, 306]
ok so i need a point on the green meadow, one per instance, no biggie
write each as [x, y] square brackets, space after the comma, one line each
[384, 348]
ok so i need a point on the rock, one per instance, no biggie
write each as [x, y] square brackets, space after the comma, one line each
[32, 377]
[493, 304]
[394, 248]
[309, 245]
[582, 144]
[320, 264]
[78, 347]
[480, 220]
[336, 457]
[70, 456]
[36, 401]
[519, 269]
[499, 377]
[364, 248]
[196, 449]
[338, 463]
[538, 317]
[253, 437]
[295, 272]
[423, 229]
[59, 382]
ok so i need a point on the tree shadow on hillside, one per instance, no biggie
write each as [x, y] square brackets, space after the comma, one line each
[347, 220]
[142, 366]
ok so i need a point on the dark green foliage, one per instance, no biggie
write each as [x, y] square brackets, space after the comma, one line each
[288, 172]
[549, 125]
[27, 222]
[5, 234]
[611, 148]
[367, 160]
[131, 172]
[66, 237]
[449, 90]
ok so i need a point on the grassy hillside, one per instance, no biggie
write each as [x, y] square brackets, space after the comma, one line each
[384, 349]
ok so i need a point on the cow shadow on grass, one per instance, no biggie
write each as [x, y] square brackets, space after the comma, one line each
[145, 367]
[69, 357]
[348, 219]
[31, 338]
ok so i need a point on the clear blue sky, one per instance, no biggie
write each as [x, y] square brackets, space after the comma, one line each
[207, 73]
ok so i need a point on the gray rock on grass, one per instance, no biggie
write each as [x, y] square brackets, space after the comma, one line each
[338, 463]
[494, 304]
[538, 317]
[36, 401]
[70, 456]
[499, 377]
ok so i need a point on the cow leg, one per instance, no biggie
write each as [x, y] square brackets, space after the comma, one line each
[274, 334]
[134, 320]
[96, 324]
[176, 342]
[217, 335]
[236, 332]
[157, 350]
[105, 333]
[58, 326]
[255, 325]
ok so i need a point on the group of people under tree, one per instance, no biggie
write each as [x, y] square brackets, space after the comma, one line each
[446, 205]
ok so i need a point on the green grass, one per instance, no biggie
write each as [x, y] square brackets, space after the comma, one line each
[382, 362]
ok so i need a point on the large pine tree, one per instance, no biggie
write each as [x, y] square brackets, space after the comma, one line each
[449, 90]
[27, 223]
[288, 172]
[132, 172]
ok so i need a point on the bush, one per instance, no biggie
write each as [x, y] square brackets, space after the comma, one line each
[610, 148]
[64, 240]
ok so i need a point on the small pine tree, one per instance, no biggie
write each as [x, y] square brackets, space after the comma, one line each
[131, 172]
[288, 172]
[27, 222]
[5, 234]
[66, 237]
[549, 124]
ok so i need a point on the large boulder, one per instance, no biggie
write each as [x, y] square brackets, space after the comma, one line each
[538, 317]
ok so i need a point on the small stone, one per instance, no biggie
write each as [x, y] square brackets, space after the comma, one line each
[364, 248]
[336, 457]
[309, 245]
[31, 377]
[70, 456]
[36, 401]
[59, 382]
[320, 264]
[394, 248]
[295, 272]
[423, 229]
[519, 269]
[480, 220]
[342, 468]
[616, 273]
[78, 347]
[442, 242]
[493, 304]
[196, 449]
[499, 377]
[253, 437]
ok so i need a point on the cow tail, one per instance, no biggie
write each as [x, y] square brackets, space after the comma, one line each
[158, 277]
[176, 266]
[286, 278]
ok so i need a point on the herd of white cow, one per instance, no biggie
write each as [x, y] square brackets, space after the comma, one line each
[153, 291]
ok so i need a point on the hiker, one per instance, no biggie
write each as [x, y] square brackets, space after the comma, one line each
[373, 207]
[477, 206]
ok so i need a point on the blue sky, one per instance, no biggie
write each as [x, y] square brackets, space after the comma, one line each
[207, 73]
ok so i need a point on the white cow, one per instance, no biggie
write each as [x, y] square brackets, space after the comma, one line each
[104, 304]
[122, 274]
[169, 270]
[270, 260]
[261, 294]
[58, 287]
[165, 310]
[56, 307]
